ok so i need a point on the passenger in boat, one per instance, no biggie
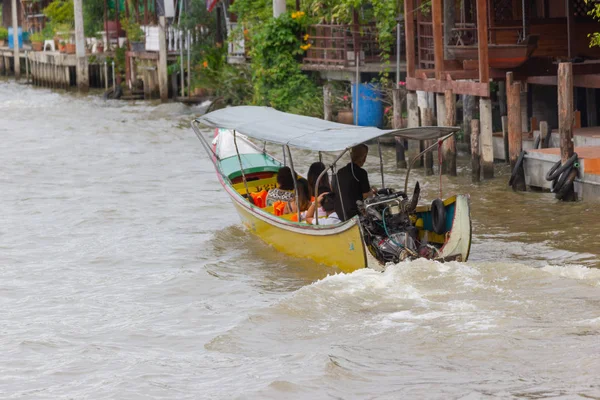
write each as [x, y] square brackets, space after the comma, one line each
[303, 198]
[313, 173]
[285, 187]
[327, 202]
[351, 183]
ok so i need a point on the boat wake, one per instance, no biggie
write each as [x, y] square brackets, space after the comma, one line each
[423, 322]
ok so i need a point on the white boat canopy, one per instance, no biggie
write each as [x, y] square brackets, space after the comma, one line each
[268, 124]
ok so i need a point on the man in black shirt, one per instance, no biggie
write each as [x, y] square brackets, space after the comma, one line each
[351, 183]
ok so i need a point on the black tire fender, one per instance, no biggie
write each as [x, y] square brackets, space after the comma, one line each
[438, 216]
[567, 186]
[537, 141]
[515, 170]
[557, 169]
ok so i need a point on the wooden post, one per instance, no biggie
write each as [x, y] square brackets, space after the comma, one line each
[475, 158]
[486, 138]
[533, 123]
[83, 79]
[524, 117]
[565, 110]
[162, 60]
[504, 119]
[396, 124]
[438, 45]
[15, 26]
[544, 132]
[412, 108]
[577, 118]
[427, 119]
[515, 134]
[327, 111]
[449, 147]
[482, 39]
[468, 111]
[409, 34]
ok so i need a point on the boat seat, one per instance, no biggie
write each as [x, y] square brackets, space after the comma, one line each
[256, 186]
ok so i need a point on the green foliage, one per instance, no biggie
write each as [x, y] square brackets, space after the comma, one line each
[133, 30]
[37, 37]
[60, 12]
[231, 83]
[93, 17]
[277, 78]
[252, 12]
[3, 33]
[594, 37]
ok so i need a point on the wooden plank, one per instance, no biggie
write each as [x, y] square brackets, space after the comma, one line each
[438, 44]
[409, 26]
[565, 110]
[482, 39]
[458, 87]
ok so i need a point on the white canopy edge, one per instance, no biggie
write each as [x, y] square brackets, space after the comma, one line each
[268, 124]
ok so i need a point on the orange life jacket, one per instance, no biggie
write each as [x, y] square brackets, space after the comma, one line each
[259, 198]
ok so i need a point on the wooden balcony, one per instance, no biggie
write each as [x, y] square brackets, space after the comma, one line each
[333, 48]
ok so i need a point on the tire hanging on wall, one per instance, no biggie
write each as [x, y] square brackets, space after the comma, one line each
[516, 169]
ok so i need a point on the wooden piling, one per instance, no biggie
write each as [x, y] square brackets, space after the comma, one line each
[544, 132]
[396, 124]
[486, 139]
[475, 158]
[449, 147]
[565, 110]
[515, 134]
[577, 117]
[468, 110]
[427, 120]
[504, 120]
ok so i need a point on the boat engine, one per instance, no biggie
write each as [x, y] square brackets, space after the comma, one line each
[389, 233]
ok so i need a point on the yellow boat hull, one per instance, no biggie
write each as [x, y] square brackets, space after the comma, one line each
[337, 246]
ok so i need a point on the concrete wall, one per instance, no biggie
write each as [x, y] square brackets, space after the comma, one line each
[545, 104]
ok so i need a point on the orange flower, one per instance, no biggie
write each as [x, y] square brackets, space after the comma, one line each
[205, 64]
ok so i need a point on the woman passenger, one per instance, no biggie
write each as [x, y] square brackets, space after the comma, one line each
[313, 173]
[303, 199]
[285, 187]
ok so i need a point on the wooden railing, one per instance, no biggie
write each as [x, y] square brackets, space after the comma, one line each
[333, 45]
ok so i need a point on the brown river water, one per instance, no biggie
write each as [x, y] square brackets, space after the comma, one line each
[125, 274]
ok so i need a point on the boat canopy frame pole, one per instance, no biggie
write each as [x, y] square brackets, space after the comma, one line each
[319, 180]
[295, 176]
[380, 163]
[284, 160]
[241, 168]
[205, 144]
[415, 158]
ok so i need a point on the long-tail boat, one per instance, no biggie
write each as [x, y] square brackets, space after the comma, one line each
[391, 226]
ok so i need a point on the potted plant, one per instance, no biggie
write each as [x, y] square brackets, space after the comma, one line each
[37, 41]
[3, 35]
[344, 105]
[99, 44]
[135, 34]
[62, 46]
[70, 48]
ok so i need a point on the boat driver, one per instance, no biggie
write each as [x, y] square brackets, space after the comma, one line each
[351, 183]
